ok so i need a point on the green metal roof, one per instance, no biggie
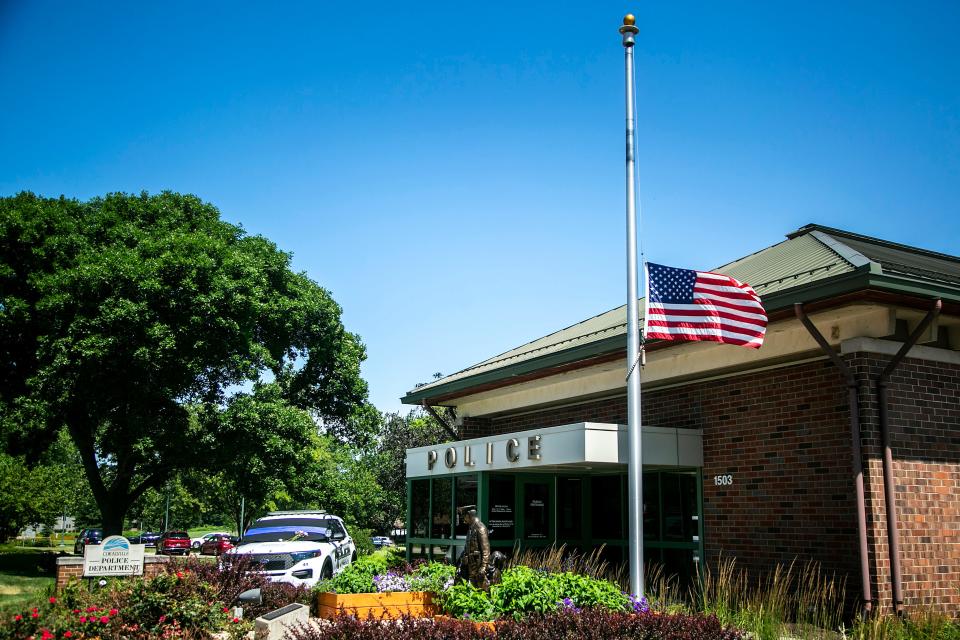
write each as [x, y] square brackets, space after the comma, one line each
[813, 263]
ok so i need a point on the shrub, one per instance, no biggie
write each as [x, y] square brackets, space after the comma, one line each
[602, 624]
[435, 577]
[594, 624]
[351, 628]
[357, 577]
[229, 578]
[275, 595]
[168, 605]
[361, 539]
[463, 600]
[523, 590]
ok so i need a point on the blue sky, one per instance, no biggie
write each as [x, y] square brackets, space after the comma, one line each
[454, 174]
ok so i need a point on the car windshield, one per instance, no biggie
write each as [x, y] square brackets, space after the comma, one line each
[94, 533]
[280, 529]
[178, 535]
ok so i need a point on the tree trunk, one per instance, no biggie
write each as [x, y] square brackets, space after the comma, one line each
[113, 514]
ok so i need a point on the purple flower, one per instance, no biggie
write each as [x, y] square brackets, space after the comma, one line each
[390, 581]
[637, 605]
[567, 604]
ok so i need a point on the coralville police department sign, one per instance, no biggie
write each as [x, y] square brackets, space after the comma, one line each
[114, 557]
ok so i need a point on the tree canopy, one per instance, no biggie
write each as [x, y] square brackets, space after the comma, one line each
[133, 320]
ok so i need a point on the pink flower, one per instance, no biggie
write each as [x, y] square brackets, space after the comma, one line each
[91, 609]
[162, 619]
[104, 620]
[236, 620]
[34, 615]
[76, 610]
[179, 574]
[225, 609]
[113, 612]
[53, 600]
[46, 635]
[17, 618]
[83, 619]
[68, 634]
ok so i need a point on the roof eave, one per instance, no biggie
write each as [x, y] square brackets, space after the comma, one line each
[864, 278]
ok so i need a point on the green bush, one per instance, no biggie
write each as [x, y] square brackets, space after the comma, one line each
[523, 590]
[361, 538]
[463, 600]
[432, 576]
[357, 577]
[166, 606]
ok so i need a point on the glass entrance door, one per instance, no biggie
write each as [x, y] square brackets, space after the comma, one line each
[537, 511]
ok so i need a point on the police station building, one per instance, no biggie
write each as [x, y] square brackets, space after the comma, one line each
[838, 441]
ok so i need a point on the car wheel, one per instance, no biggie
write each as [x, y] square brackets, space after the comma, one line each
[196, 545]
[353, 558]
[327, 572]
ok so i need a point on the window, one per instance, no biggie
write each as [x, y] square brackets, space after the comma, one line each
[420, 508]
[466, 496]
[607, 497]
[536, 510]
[441, 516]
[502, 520]
[569, 508]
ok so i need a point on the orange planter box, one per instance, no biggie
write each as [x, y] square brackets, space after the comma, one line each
[379, 606]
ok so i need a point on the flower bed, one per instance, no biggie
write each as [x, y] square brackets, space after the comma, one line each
[383, 587]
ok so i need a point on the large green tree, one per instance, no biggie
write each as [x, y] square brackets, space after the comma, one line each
[131, 320]
[397, 434]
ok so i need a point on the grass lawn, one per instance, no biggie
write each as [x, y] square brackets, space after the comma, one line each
[26, 575]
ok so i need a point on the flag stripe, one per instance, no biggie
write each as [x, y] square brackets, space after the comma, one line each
[683, 304]
[743, 327]
[702, 310]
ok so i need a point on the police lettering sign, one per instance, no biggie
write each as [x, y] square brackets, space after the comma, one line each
[114, 557]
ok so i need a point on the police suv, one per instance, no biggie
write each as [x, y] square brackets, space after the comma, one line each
[298, 547]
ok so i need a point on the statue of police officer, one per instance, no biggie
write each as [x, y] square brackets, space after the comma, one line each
[474, 564]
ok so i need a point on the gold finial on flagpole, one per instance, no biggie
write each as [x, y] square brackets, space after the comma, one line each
[629, 30]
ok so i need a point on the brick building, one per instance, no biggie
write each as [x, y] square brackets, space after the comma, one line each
[796, 450]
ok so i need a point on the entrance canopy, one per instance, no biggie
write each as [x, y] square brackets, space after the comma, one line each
[583, 446]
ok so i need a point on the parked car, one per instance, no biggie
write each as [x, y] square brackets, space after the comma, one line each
[217, 544]
[174, 543]
[381, 541]
[146, 538]
[297, 547]
[85, 537]
[196, 543]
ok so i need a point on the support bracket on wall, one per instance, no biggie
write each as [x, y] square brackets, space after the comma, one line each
[443, 423]
[857, 456]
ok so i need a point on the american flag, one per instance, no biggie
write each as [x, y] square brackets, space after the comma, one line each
[683, 304]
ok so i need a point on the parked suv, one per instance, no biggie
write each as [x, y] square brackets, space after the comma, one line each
[174, 543]
[85, 537]
[297, 547]
[196, 543]
[217, 544]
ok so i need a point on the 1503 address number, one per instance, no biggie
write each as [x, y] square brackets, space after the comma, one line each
[723, 481]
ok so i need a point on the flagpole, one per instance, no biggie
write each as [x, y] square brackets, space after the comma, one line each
[635, 458]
